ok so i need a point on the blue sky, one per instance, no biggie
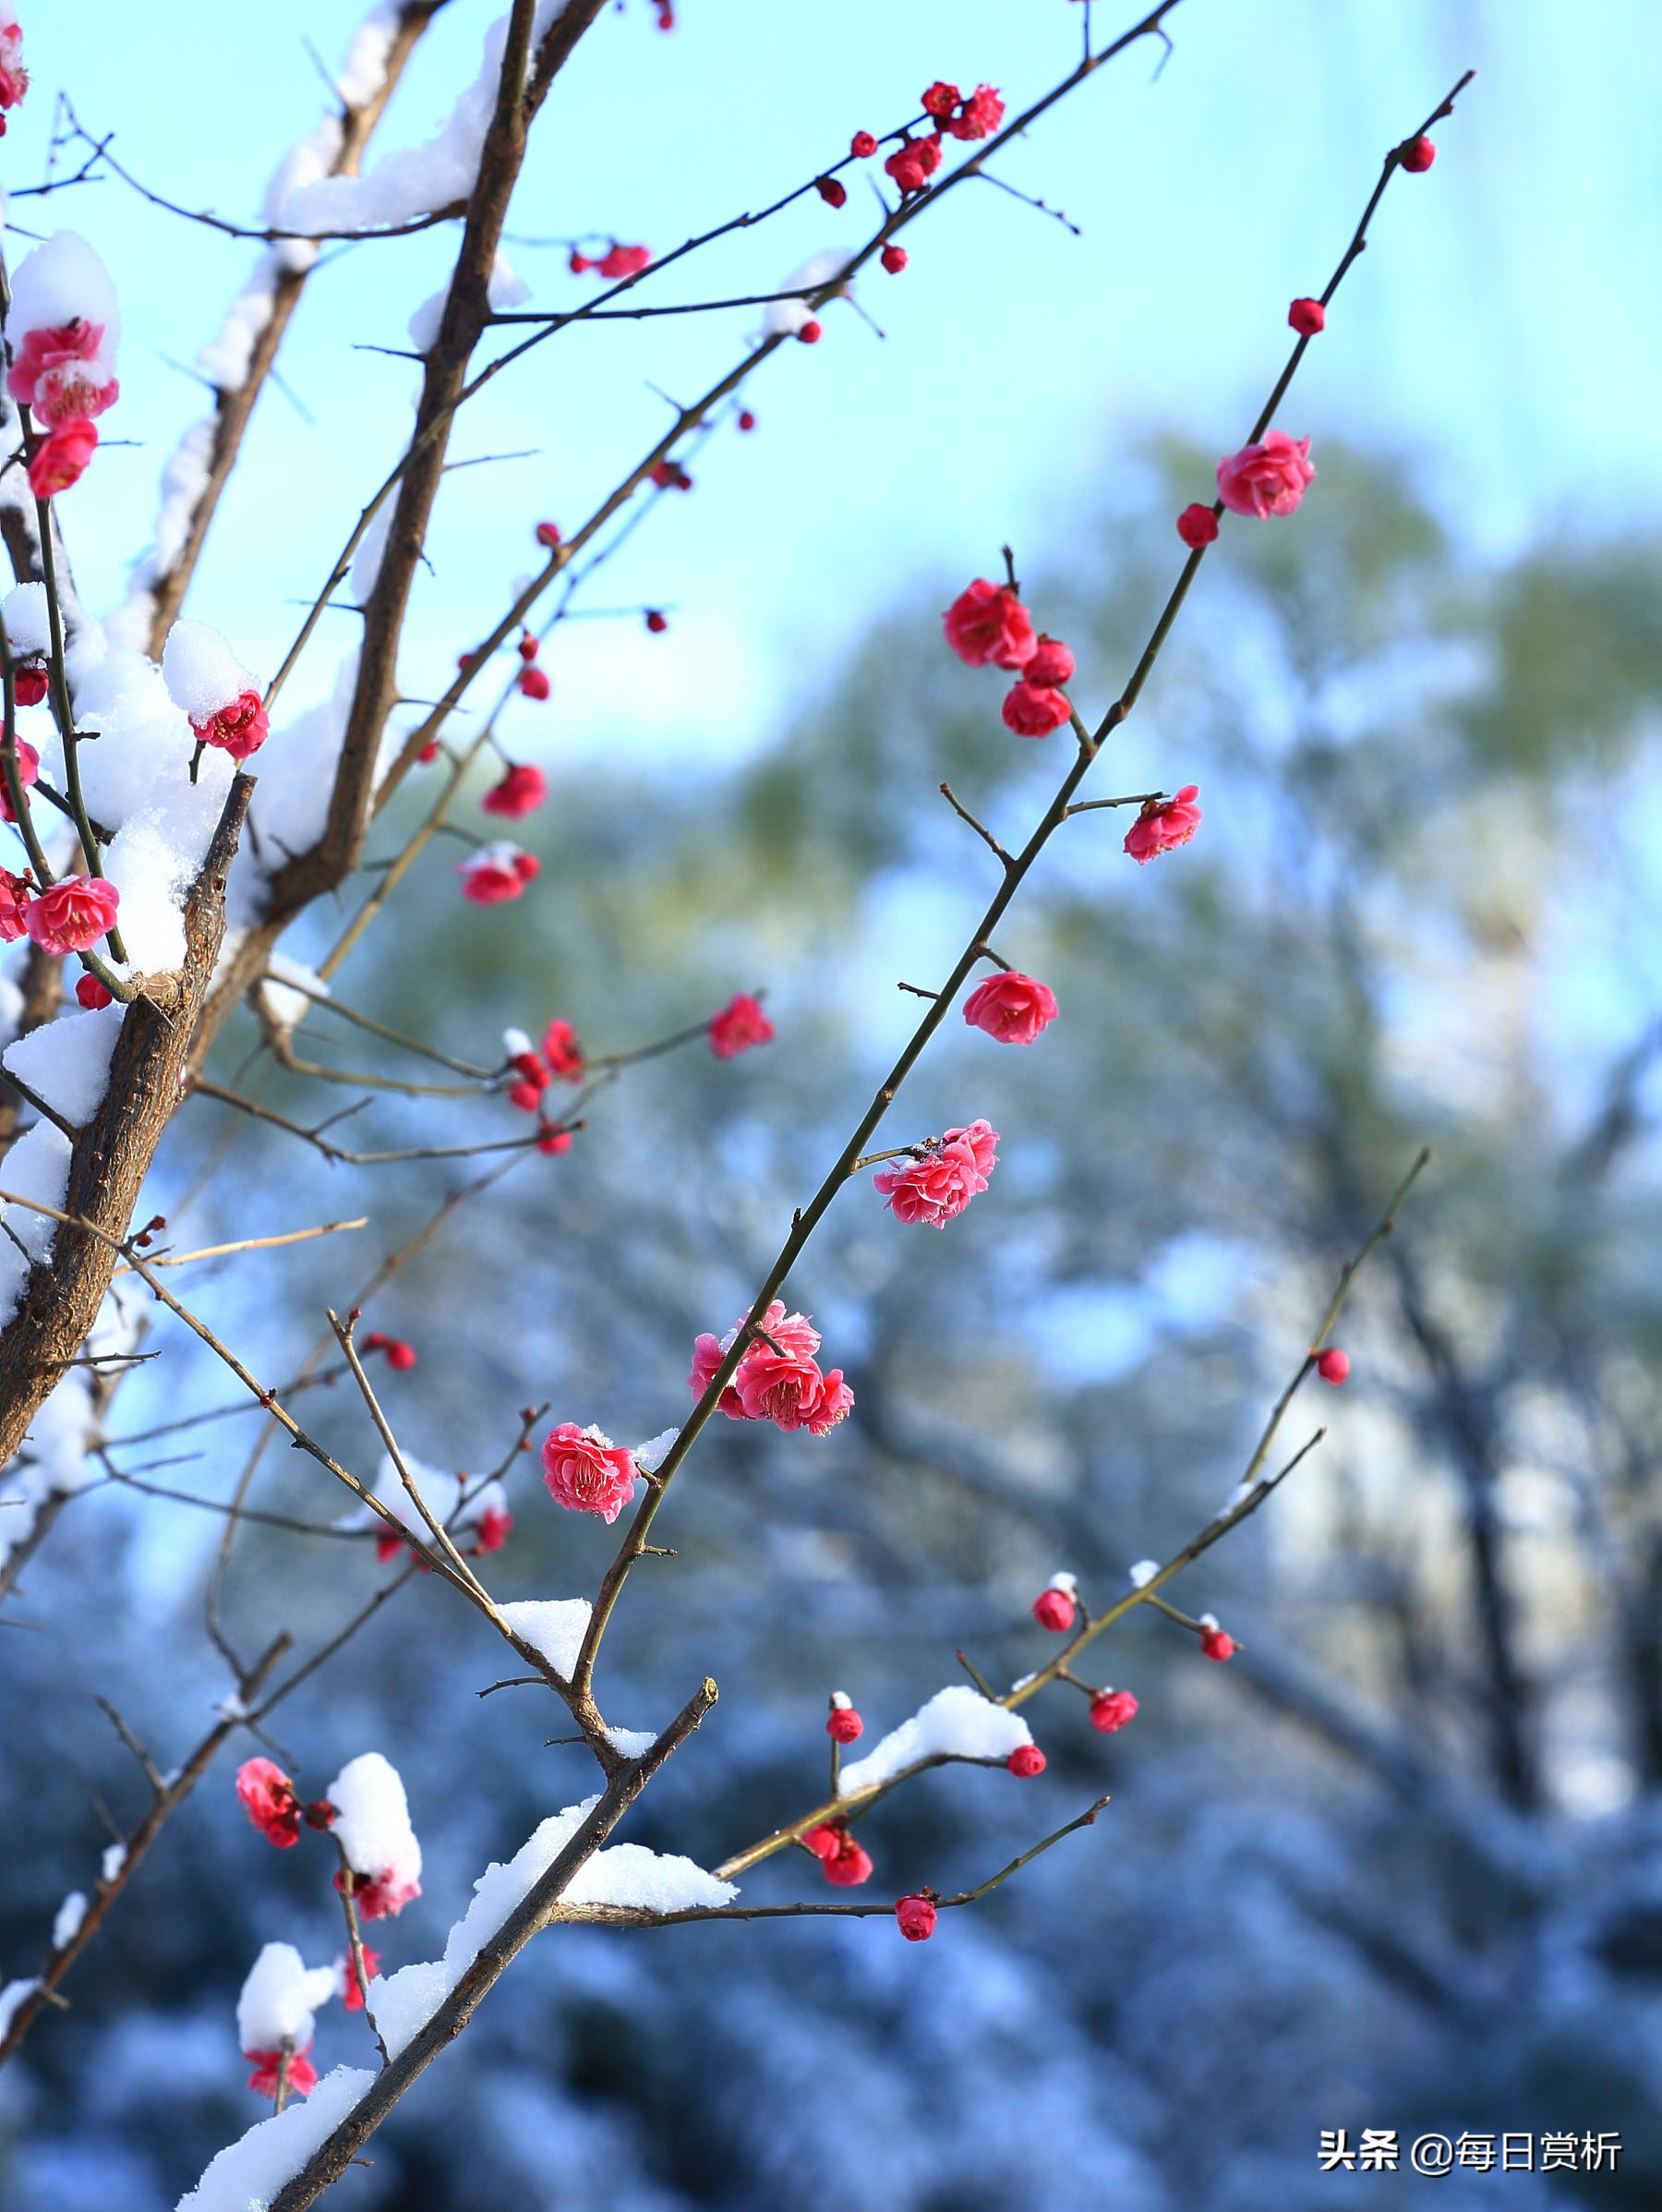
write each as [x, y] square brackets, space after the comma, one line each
[1501, 335]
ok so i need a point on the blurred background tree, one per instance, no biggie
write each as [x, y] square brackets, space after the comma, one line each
[1399, 1865]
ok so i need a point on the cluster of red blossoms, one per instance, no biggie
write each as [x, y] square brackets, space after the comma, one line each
[915, 161]
[778, 1378]
[561, 1060]
[64, 376]
[70, 917]
[987, 625]
[239, 728]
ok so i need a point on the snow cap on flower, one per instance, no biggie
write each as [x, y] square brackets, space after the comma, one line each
[277, 2003]
[496, 872]
[1057, 1603]
[220, 698]
[843, 1724]
[63, 328]
[372, 1827]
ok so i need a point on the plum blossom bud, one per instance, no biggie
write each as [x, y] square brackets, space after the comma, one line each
[562, 1052]
[91, 993]
[1111, 1709]
[916, 1916]
[521, 791]
[811, 332]
[1011, 1007]
[533, 682]
[548, 535]
[1215, 1643]
[832, 190]
[862, 146]
[739, 1027]
[842, 1860]
[1267, 478]
[844, 1724]
[1333, 1366]
[529, 645]
[1307, 317]
[1026, 1760]
[73, 914]
[894, 259]
[585, 1472]
[987, 624]
[1031, 710]
[1057, 1603]
[1419, 155]
[28, 769]
[1197, 526]
[1052, 664]
[31, 682]
[352, 1989]
[1163, 825]
[658, 622]
[747, 421]
[495, 1525]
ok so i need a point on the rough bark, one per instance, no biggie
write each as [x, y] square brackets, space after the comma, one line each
[113, 1153]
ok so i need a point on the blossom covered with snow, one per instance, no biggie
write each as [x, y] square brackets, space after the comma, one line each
[219, 696]
[496, 872]
[1057, 1603]
[942, 1176]
[63, 328]
[372, 1827]
[585, 1472]
[275, 2018]
[778, 1379]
